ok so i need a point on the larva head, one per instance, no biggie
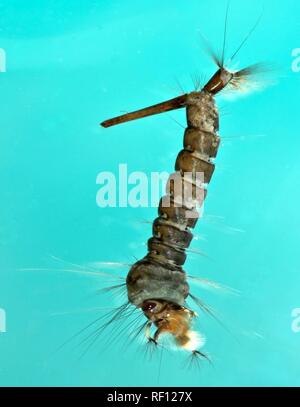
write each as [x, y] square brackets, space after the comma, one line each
[170, 318]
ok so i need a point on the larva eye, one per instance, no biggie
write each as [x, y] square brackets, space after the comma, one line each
[148, 306]
[151, 306]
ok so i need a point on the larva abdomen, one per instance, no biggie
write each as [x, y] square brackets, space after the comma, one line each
[170, 234]
[196, 140]
[183, 217]
[188, 162]
[177, 209]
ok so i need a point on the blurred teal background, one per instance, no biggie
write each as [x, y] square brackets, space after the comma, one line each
[73, 64]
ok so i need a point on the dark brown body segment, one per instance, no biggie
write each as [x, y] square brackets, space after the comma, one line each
[183, 217]
[199, 141]
[159, 274]
[188, 162]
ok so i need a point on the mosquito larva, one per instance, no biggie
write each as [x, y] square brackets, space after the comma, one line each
[157, 284]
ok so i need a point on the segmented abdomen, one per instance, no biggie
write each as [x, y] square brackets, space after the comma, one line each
[159, 274]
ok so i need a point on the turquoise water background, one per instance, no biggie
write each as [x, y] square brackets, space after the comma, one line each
[73, 64]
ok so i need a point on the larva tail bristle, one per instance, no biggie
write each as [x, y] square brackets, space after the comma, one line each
[251, 31]
[252, 78]
[255, 69]
[210, 51]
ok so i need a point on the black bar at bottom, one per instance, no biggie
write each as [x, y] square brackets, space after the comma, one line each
[142, 396]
